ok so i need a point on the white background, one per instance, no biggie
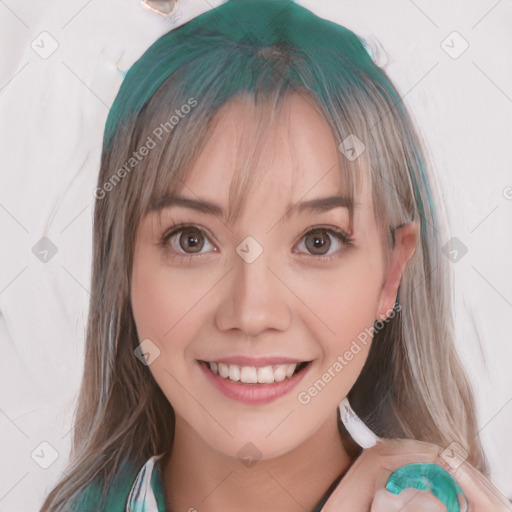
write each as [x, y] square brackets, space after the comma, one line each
[53, 111]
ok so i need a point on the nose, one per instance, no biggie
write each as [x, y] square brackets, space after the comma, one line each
[254, 298]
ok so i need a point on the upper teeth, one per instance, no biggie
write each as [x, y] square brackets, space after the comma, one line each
[253, 375]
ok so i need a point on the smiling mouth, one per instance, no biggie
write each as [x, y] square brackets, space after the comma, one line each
[269, 374]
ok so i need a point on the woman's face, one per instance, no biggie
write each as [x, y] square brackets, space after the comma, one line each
[261, 295]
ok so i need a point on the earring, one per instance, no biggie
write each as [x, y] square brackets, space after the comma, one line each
[359, 432]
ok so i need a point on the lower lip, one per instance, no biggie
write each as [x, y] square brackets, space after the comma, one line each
[253, 393]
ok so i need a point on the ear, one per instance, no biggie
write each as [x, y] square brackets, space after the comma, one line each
[406, 241]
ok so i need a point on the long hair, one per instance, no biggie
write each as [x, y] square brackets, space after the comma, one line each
[413, 384]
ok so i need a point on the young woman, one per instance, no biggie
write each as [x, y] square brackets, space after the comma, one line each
[266, 246]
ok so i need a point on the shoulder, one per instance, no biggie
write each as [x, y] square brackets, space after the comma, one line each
[114, 498]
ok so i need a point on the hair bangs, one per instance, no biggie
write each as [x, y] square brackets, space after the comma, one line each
[265, 85]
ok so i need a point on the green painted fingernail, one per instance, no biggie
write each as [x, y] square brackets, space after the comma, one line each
[427, 477]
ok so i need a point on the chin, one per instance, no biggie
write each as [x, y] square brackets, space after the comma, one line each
[251, 446]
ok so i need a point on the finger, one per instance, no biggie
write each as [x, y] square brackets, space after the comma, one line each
[409, 500]
[371, 471]
[395, 453]
[481, 494]
[407, 447]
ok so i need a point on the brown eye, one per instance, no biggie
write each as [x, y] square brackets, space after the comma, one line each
[318, 242]
[325, 243]
[187, 242]
[191, 240]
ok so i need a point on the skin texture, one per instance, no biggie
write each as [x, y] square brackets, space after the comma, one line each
[288, 302]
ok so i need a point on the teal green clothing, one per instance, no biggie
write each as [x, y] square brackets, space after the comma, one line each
[122, 487]
[143, 491]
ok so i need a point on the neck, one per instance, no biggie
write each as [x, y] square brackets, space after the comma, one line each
[195, 476]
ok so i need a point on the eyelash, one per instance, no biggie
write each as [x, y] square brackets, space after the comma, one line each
[337, 233]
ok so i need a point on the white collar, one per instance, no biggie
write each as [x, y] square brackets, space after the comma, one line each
[141, 497]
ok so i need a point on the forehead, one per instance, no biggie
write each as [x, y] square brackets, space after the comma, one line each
[289, 152]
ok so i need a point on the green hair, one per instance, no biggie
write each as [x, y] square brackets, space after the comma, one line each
[250, 26]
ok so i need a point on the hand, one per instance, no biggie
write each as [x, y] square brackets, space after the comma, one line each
[363, 488]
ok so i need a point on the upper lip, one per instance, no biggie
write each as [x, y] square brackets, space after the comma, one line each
[255, 361]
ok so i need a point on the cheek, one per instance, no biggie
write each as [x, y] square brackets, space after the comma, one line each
[345, 299]
[344, 307]
[161, 300]
[346, 303]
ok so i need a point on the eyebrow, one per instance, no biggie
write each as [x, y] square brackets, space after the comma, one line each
[319, 205]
